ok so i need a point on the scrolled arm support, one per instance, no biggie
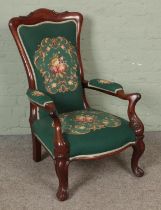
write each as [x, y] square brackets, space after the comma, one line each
[135, 121]
[133, 98]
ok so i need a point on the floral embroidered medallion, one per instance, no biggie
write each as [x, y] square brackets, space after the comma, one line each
[56, 59]
[37, 93]
[85, 121]
[103, 81]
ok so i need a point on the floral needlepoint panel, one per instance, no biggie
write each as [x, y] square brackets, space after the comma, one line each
[56, 59]
[103, 81]
[85, 121]
[37, 93]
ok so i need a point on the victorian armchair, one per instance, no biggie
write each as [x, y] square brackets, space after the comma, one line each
[61, 119]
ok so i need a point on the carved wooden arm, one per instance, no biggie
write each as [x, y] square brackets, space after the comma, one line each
[61, 147]
[42, 100]
[133, 98]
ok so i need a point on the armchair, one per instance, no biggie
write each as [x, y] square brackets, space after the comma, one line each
[61, 119]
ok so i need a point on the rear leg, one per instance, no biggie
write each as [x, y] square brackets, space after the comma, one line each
[36, 149]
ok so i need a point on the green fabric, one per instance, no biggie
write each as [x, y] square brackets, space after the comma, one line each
[105, 138]
[105, 85]
[38, 97]
[85, 121]
[56, 59]
[32, 37]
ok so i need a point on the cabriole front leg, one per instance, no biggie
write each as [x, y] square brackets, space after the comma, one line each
[138, 127]
[61, 167]
[138, 150]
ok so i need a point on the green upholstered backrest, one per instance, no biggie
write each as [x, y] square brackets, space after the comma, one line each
[52, 52]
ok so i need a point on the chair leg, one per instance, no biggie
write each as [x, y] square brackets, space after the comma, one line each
[36, 149]
[138, 150]
[61, 167]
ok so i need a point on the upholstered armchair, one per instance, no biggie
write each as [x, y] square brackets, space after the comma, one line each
[61, 119]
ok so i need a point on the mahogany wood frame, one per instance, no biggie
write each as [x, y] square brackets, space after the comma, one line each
[61, 150]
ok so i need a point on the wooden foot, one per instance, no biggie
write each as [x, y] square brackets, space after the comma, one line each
[138, 150]
[61, 167]
[36, 149]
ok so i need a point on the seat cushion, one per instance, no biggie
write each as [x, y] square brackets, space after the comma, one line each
[89, 132]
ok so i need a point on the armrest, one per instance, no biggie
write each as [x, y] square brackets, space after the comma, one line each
[106, 85]
[40, 99]
[61, 147]
[116, 90]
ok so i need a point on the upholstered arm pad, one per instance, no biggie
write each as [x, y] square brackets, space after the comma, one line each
[39, 98]
[102, 84]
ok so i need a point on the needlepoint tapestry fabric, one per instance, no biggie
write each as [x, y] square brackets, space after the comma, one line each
[103, 84]
[59, 72]
[56, 59]
[85, 121]
[87, 131]
[38, 97]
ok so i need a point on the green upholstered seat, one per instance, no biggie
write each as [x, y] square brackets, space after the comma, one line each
[89, 132]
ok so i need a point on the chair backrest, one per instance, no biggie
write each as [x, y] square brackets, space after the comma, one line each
[49, 44]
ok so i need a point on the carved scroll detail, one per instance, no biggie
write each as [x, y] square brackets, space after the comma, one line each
[61, 153]
[61, 167]
[135, 122]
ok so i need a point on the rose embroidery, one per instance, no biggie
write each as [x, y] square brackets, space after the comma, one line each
[37, 93]
[56, 60]
[57, 65]
[85, 121]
